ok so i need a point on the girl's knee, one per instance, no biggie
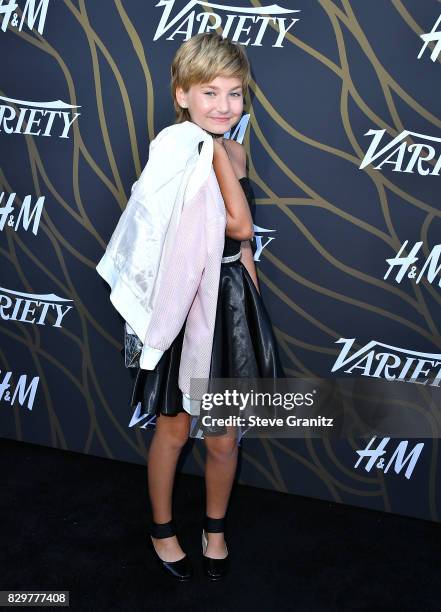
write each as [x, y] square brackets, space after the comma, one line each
[173, 430]
[177, 439]
[221, 447]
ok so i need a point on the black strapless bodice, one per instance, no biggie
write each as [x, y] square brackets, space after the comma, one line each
[232, 247]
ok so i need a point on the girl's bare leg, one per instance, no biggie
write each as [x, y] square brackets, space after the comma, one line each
[171, 434]
[220, 469]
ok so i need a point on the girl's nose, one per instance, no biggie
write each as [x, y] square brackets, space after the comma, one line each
[223, 105]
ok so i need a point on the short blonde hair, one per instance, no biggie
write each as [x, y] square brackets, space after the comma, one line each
[201, 59]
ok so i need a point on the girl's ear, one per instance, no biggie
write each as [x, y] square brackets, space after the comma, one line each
[178, 93]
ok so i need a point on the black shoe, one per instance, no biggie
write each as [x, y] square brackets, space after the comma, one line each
[215, 569]
[180, 569]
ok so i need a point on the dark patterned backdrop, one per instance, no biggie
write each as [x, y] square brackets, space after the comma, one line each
[344, 150]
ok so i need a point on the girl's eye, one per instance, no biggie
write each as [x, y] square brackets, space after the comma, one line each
[212, 92]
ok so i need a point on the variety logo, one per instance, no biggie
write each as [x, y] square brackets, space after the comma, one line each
[17, 306]
[22, 391]
[433, 36]
[150, 421]
[137, 417]
[32, 10]
[394, 363]
[259, 241]
[404, 157]
[238, 133]
[404, 264]
[233, 20]
[54, 116]
[25, 213]
[398, 460]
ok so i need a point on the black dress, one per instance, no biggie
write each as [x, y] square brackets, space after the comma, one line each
[244, 344]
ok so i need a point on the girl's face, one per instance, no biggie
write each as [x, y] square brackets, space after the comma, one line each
[215, 106]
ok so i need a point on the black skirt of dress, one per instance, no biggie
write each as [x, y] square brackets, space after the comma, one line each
[244, 345]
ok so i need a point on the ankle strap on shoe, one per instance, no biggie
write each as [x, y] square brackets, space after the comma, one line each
[162, 530]
[214, 525]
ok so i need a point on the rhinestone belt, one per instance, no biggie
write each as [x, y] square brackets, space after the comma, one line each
[231, 258]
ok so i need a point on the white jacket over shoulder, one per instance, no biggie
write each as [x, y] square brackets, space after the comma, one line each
[163, 259]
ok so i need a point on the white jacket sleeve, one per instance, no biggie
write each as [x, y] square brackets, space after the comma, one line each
[180, 281]
[133, 254]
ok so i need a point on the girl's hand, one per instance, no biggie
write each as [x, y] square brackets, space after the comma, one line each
[219, 150]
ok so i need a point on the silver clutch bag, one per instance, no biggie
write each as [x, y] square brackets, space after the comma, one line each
[132, 347]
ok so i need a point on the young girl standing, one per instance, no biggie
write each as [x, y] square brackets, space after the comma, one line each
[209, 78]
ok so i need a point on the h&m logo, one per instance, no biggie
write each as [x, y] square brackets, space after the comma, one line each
[404, 262]
[433, 36]
[21, 391]
[30, 13]
[25, 214]
[398, 459]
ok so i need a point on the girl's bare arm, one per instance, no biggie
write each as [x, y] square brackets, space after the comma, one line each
[248, 261]
[239, 220]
